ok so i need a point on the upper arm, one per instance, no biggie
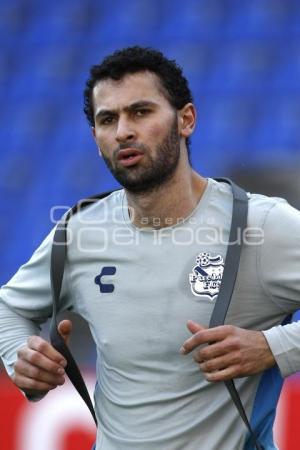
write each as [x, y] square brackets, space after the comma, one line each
[279, 256]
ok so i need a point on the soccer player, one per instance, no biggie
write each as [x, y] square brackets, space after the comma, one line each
[144, 269]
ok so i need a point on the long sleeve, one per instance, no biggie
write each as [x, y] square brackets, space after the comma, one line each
[284, 342]
[25, 303]
[15, 330]
[279, 265]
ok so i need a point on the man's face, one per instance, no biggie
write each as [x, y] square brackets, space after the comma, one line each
[136, 130]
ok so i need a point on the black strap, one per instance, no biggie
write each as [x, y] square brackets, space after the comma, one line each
[238, 225]
[58, 257]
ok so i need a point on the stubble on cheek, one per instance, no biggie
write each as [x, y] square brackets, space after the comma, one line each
[157, 133]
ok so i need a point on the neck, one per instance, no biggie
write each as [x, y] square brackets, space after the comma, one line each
[167, 204]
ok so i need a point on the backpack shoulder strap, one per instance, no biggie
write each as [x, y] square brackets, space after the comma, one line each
[238, 225]
[58, 258]
[232, 261]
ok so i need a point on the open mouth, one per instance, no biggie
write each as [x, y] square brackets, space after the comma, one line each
[129, 156]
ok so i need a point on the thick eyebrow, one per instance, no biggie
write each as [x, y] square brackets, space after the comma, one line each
[141, 104]
[132, 107]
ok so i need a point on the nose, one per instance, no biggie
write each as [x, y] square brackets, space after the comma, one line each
[125, 130]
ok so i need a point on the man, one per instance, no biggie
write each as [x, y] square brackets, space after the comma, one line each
[144, 269]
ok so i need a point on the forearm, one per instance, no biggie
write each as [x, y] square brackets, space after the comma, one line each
[33, 364]
[15, 331]
[284, 342]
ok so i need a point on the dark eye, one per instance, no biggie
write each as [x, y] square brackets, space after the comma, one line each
[141, 112]
[107, 120]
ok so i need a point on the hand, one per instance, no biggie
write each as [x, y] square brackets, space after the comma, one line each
[39, 367]
[233, 352]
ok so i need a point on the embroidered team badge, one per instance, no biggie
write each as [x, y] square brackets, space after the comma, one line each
[207, 275]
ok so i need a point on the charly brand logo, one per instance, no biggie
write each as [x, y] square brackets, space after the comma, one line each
[207, 275]
[105, 288]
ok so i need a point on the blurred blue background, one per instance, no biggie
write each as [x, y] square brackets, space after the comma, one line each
[242, 59]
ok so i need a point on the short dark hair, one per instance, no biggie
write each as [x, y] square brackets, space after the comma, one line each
[138, 59]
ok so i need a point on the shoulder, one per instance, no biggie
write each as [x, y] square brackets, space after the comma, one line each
[277, 223]
[272, 213]
[261, 207]
[95, 210]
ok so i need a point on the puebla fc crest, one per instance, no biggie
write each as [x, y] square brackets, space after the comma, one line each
[207, 275]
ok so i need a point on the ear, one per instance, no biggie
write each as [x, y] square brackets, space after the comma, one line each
[94, 136]
[186, 120]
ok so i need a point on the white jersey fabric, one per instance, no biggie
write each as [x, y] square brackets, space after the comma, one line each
[137, 288]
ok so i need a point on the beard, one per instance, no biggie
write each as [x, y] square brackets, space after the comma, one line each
[154, 170]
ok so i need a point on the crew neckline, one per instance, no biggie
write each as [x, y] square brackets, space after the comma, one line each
[201, 202]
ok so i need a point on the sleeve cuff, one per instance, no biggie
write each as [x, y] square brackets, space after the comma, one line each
[284, 342]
